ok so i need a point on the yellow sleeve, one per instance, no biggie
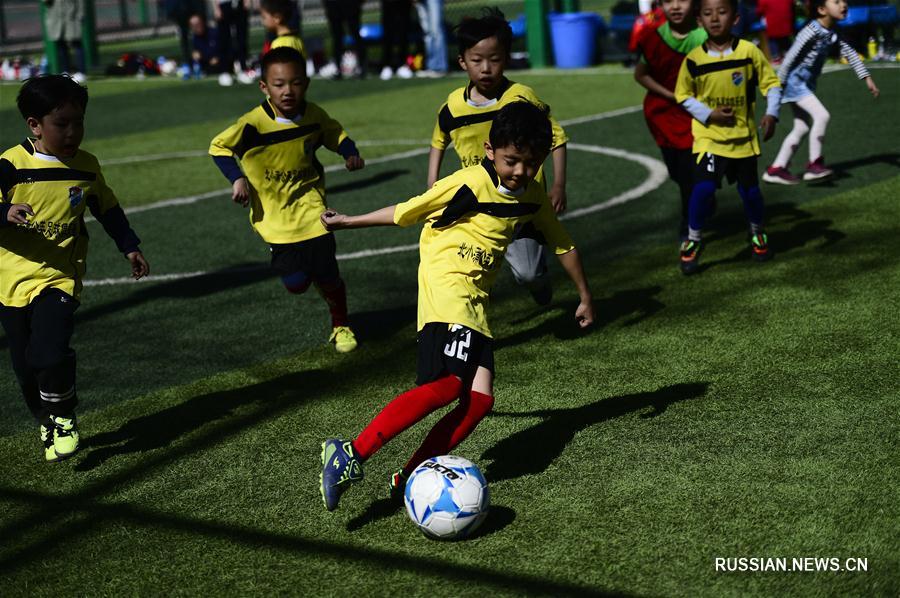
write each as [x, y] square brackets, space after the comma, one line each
[419, 208]
[554, 232]
[289, 41]
[768, 78]
[106, 199]
[684, 86]
[227, 143]
[439, 139]
[332, 132]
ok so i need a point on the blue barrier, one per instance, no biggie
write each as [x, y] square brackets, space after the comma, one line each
[574, 37]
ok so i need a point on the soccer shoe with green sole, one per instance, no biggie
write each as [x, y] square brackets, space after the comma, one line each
[690, 256]
[397, 485]
[47, 441]
[340, 468]
[343, 338]
[65, 435]
[759, 246]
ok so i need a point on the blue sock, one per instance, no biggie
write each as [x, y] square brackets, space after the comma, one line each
[700, 196]
[753, 206]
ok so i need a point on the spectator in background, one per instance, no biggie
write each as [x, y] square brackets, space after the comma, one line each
[779, 21]
[395, 23]
[205, 56]
[63, 19]
[231, 21]
[431, 19]
[339, 14]
[180, 12]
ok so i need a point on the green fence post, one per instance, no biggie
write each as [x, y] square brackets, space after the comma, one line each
[536, 32]
[570, 6]
[143, 14]
[89, 35]
[49, 44]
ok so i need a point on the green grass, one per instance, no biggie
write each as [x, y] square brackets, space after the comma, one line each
[747, 411]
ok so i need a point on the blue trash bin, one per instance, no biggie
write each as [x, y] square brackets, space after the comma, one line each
[574, 38]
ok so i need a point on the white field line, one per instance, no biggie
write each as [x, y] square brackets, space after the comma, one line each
[657, 175]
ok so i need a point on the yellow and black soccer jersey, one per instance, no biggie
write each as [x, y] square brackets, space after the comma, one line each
[278, 157]
[289, 40]
[468, 125]
[49, 251]
[726, 79]
[469, 221]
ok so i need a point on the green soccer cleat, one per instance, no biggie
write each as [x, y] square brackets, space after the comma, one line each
[759, 246]
[47, 440]
[65, 435]
[397, 485]
[340, 467]
[343, 338]
[690, 256]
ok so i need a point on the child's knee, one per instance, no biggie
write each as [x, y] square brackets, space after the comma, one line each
[296, 283]
[330, 284]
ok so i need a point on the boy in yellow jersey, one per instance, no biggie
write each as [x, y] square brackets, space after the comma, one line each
[717, 84]
[275, 16]
[46, 185]
[470, 219]
[281, 180]
[465, 119]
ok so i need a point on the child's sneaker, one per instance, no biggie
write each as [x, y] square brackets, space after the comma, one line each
[779, 175]
[690, 256]
[397, 485]
[340, 467]
[65, 435]
[47, 441]
[816, 170]
[759, 245]
[343, 338]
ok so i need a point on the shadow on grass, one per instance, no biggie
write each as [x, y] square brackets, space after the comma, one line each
[131, 517]
[375, 179]
[841, 169]
[160, 429]
[532, 450]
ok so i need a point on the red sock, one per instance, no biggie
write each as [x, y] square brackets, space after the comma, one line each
[453, 428]
[404, 411]
[336, 298]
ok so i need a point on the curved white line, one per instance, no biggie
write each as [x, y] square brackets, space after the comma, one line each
[657, 175]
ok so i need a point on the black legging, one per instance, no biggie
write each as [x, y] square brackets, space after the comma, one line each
[236, 18]
[340, 12]
[395, 24]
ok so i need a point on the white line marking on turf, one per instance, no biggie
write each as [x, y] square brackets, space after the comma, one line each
[657, 176]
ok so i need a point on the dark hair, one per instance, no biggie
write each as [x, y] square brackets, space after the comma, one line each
[41, 95]
[523, 125]
[282, 55]
[814, 6]
[285, 8]
[492, 23]
[732, 3]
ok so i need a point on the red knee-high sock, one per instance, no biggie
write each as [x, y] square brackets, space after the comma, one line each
[453, 428]
[336, 298]
[404, 411]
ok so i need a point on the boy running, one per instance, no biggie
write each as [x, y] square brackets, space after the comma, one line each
[470, 219]
[46, 185]
[465, 119]
[284, 184]
[662, 50]
[717, 84]
[275, 16]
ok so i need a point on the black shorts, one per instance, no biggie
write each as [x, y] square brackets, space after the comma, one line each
[711, 167]
[314, 257]
[680, 164]
[451, 349]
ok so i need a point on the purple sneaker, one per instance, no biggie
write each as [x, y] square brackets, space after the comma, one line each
[779, 175]
[816, 170]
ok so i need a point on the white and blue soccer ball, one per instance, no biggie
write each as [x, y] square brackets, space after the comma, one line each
[447, 497]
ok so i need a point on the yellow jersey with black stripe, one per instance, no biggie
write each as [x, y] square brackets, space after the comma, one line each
[49, 252]
[719, 79]
[468, 124]
[289, 40]
[469, 220]
[278, 157]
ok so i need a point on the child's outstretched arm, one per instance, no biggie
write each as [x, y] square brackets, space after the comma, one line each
[333, 220]
[870, 83]
[642, 76]
[435, 157]
[571, 263]
[858, 67]
[557, 194]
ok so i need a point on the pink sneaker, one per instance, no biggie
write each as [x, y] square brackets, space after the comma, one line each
[816, 170]
[779, 175]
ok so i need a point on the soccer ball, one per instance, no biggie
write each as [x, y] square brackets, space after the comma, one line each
[447, 497]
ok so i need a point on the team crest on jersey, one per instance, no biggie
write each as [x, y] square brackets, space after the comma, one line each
[76, 194]
[737, 77]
